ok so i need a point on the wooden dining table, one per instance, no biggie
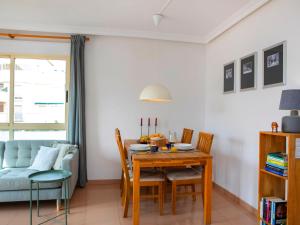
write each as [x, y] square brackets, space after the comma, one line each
[170, 159]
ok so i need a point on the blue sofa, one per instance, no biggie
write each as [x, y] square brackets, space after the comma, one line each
[16, 157]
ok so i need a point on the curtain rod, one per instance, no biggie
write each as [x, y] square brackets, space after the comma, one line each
[12, 36]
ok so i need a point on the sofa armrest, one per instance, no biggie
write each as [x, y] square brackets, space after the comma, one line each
[70, 163]
[2, 148]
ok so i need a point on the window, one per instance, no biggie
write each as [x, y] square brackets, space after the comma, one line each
[4, 89]
[33, 94]
[4, 135]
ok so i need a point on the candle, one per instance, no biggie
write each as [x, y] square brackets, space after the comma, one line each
[156, 121]
[149, 122]
[141, 122]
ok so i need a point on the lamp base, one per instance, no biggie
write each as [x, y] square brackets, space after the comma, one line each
[291, 124]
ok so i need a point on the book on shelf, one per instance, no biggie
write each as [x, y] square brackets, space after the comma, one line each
[274, 165]
[283, 164]
[277, 163]
[276, 172]
[278, 158]
[277, 169]
[279, 211]
[273, 211]
[269, 157]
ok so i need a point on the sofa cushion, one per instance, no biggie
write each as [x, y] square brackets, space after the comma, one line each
[13, 179]
[22, 153]
[64, 149]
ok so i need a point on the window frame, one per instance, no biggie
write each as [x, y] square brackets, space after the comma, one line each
[11, 126]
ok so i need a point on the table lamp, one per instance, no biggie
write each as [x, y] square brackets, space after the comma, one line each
[290, 100]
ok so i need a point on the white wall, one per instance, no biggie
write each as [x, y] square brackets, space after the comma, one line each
[237, 118]
[117, 69]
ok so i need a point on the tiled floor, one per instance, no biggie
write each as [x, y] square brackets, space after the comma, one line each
[100, 205]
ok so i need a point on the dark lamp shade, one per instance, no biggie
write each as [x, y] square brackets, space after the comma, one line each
[290, 99]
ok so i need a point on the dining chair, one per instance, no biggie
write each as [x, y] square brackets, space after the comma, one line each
[187, 136]
[117, 132]
[204, 142]
[190, 176]
[147, 179]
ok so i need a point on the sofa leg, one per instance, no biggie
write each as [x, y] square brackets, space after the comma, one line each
[58, 204]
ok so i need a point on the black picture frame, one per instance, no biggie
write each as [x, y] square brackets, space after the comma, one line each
[229, 78]
[274, 65]
[248, 72]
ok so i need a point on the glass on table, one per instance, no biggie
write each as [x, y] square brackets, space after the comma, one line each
[172, 137]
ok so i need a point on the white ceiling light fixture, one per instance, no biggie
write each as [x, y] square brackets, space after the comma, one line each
[155, 93]
[157, 17]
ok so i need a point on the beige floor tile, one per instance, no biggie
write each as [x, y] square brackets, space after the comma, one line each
[100, 205]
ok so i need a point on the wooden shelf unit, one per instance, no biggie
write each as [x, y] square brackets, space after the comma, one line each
[270, 184]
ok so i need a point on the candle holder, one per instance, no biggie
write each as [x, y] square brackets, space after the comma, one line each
[141, 131]
[141, 124]
[148, 126]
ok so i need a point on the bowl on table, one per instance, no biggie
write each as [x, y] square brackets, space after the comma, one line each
[145, 139]
[160, 142]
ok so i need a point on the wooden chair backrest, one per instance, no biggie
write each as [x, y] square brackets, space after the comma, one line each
[122, 154]
[205, 141]
[187, 136]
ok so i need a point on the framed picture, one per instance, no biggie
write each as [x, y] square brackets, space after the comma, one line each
[229, 77]
[274, 65]
[248, 72]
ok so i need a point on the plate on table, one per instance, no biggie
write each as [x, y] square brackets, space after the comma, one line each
[139, 147]
[183, 146]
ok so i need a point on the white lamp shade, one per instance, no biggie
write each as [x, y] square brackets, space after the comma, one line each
[155, 93]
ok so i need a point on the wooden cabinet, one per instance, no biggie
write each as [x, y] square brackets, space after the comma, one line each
[270, 184]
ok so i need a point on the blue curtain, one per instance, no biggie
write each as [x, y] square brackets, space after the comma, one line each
[76, 125]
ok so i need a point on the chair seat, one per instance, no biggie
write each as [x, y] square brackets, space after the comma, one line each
[149, 176]
[184, 174]
[198, 168]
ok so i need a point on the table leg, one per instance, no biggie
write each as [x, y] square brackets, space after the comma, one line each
[37, 200]
[65, 202]
[136, 192]
[68, 182]
[30, 204]
[207, 191]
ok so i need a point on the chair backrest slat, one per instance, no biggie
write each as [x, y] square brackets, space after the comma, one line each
[187, 136]
[205, 141]
[122, 154]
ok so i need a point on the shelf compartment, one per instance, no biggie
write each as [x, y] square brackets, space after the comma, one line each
[271, 185]
[273, 174]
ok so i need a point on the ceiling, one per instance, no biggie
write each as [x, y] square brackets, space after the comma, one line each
[185, 20]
